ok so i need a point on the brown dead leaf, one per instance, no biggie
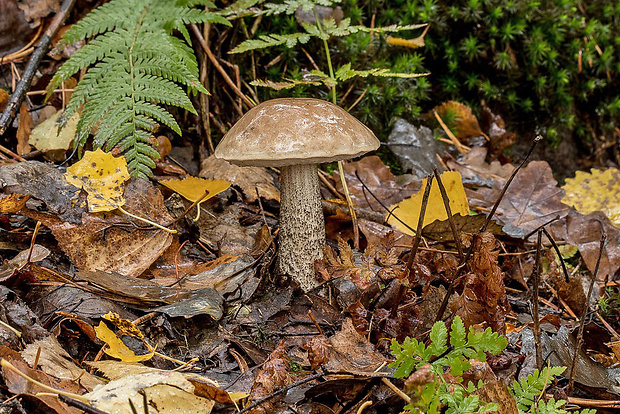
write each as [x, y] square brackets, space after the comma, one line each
[352, 353]
[484, 295]
[475, 170]
[359, 316]
[249, 179]
[318, 351]
[35, 10]
[379, 180]
[496, 130]
[4, 96]
[24, 128]
[459, 119]
[532, 200]
[112, 242]
[585, 233]
[273, 375]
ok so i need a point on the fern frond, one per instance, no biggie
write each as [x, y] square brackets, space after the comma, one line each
[345, 72]
[135, 65]
[265, 41]
[291, 6]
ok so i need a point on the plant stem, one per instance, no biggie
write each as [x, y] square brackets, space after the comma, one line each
[152, 223]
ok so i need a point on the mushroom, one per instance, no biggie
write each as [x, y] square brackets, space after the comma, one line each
[296, 134]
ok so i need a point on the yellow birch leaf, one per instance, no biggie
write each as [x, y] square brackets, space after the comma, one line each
[194, 188]
[101, 175]
[598, 190]
[117, 348]
[45, 136]
[408, 210]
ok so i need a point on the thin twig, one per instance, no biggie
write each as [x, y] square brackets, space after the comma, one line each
[446, 203]
[219, 67]
[535, 315]
[25, 82]
[582, 322]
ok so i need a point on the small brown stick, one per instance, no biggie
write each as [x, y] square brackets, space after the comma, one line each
[557, 251]
[280, 391]
[35, 364]
[32, 240]
[584, 313]
[11, 153]
[418, 235]
[446, 203]
[585, 402]
[329, 185]
[80, 405]
[219, 67]
[535, 315]
[31, 68]
[396, 390]
[316, 324]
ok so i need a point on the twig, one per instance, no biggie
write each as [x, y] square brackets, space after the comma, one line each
[80, 405]
[281, 390]
[535, 315]
[418, 235]
[582, 322]
[219, 67]
[396, 390]
[25, 82]
[446, 203]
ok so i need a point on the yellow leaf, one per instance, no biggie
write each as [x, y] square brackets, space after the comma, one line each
[45, 136]
[408, 210]
[595, 191]
[194, 188]
[116, 347]
[101, 175]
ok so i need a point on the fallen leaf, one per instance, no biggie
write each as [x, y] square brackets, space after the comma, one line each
[194, 188]
[24, 129]
[169, 391]
[440, 230]
[459, 119]
[102, 240]
[351, 352]
[500, 139]
[378, 179]
[4, 96]
[12, 203]
[598, 190]
[408, 210]
[318, 351]
[55, 361]
[47, 137]
[476, 171]
[116, 347]
[585, 233]
[249, 179]
[102, 176]
[532, 200]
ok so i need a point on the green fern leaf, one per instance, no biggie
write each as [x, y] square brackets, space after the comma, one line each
[135, 65]
[271, 40]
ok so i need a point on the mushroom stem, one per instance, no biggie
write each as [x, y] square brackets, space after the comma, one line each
[302, 227]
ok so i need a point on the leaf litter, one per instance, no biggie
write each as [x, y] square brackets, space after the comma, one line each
[197, 321]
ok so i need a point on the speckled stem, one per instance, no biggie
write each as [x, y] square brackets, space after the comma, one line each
[302, 226]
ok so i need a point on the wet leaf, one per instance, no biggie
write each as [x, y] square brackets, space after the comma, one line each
[12, 203]
[318, 351]
[459, 119]
[598, 190]
[102, 176]
[116, 347]
[351, 352]
[476, 171]
[250, 179]
[379, 180]
[194, 188]
[532, 200]
[46, 137]
[440, 230]
[408, 210]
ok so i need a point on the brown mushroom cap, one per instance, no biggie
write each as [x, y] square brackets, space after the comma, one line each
[292, 131]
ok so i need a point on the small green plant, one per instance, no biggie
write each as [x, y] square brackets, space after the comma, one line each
[529, 391]
[440, 358]
[135, 65]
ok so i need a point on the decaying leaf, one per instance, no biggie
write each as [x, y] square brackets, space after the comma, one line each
[379, 180]
[475, 170]
[12, 203]
[250, 179]
[484, 295]
[598, 190]
[318, 351]
[102, 241]
[47, 137]
[24, 130]
[102, 176]
[116, 347]
[194, 188]
[273, 374]
[532, 200]
[408, 210]
[459, 119]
